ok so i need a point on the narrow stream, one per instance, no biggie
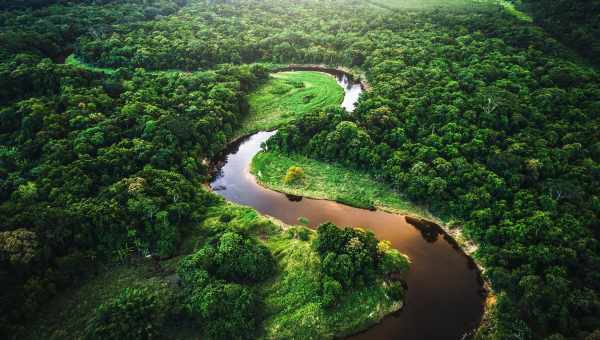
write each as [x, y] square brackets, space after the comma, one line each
[445, 296]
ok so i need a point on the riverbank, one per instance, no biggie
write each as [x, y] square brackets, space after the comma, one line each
[438, 263]
[351, 187]
[331, 182]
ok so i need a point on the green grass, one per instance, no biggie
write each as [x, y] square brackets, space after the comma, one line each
[286, 95]
[510, 8]
[330, 181]
[73, 61]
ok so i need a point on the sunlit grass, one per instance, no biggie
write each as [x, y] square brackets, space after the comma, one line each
[73, 61]
[329, 181]
[288, 94]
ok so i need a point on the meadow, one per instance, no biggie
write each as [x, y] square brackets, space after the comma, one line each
[285, 95]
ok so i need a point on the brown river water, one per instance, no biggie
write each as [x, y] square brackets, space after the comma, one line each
[445, 296]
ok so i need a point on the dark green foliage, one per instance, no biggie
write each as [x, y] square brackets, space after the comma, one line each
[348, 255]
[575, 22]
[395, 291]
[102, 165]
[239, 259]
[136, 313]
[353, 257]
[392, 261]
[505, 141]
[225, 310]
[153, 206]
[303, 234]
[232, 257]
[332, 290]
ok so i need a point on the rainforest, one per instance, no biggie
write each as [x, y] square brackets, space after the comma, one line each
[300, 169]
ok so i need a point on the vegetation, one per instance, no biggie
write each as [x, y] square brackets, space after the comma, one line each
[286, 95]
[353, 257]
[225, 308]
[135, 313]
[574, 22]
[329, 181]
[70, 314]
[294, 175]
[514, 165]
[296, 302]
[304, 303]
[478, 114]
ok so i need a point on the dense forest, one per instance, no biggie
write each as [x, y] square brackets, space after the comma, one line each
[575, 23]
[487, 119]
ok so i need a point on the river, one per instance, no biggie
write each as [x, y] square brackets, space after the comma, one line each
[445, 296]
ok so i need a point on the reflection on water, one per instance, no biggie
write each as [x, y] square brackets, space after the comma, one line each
[352, 91]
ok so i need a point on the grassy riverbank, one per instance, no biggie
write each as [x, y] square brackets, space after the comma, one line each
[330, 181]
[286, 95]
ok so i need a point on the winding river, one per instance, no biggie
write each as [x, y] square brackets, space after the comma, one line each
[445, 296]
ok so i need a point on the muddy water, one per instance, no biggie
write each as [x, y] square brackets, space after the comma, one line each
[445, 295]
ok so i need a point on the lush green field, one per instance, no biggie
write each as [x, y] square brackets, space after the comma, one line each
[330, 181]
[288, 94]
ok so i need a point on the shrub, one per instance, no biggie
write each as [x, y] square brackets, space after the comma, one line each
[234, 257]
[308, 98]
[349, 255]
[395, 291]
[294, 175]
[192, 269]
[340, 267]
[136, 313]
[296, 83]
[18, 247]
[240, 258]
[303, 234]
[303, 221]
[281, 88]
[331, 291]
[392, 261]
[226, 310]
